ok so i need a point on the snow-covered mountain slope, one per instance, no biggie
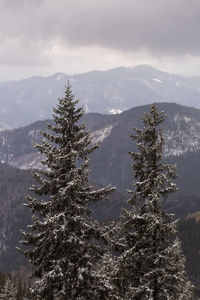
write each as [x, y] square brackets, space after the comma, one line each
[107, 92]
[111, 162]
[181, 132]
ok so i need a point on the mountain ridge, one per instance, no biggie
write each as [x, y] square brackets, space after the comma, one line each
[111, 162]
[107, 92]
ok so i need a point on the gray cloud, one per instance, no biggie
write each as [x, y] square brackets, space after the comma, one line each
[158, 26]
[161, 28]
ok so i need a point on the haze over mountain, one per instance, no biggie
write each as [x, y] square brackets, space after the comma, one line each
[107, 92]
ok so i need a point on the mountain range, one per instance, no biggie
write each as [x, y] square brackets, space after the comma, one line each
[111, 162]
[106, 92]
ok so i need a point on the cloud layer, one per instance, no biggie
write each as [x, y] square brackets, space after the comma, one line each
[30, 31]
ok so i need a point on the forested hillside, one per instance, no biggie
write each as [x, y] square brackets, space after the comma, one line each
[111, 162]
[14, 185]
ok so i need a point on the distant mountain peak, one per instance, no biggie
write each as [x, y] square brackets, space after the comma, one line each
[106, 92]
[57, 76]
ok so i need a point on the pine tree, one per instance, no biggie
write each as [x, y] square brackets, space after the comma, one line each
[150, 265]
[63, 242]
[9, 290]
[2, 280]
[20, 291]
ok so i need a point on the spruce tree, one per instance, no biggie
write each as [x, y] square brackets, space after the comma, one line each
[2, 280]
[9, 291]
[63, 242]
[150, 265]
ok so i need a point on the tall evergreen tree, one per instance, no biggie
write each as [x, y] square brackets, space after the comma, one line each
[2, 280]
[9, 290]
[63, 242]
[150, 265]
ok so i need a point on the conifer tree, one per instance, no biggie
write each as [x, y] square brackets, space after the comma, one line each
[21, 290]
[9, 290]
[2, 280]
[63, 242]
[150, 265]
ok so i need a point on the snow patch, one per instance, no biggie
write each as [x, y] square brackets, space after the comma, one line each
[3, 140]
[101, 134]
[35, 134]
[157, 80]
[186, 119]
[115, 111]
[28, 161]
[178, 118]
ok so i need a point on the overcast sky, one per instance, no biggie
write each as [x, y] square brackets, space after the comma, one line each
[42, 37]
